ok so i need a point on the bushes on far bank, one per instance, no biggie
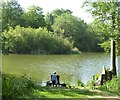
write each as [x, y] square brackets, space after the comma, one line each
[34, 41]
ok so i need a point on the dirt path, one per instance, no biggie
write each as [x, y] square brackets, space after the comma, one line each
[105, 95]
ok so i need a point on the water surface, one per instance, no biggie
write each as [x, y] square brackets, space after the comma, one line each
[71, 68]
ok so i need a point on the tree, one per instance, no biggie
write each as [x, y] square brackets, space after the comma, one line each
[50, 17]
[34, 17]
[106, 22]
[59, 12]
[66, 25]
[74, 28]
[11, 14]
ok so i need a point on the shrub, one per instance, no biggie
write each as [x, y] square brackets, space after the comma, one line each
[110, 86]
[13, 87]
[34, 41]
[80, 84]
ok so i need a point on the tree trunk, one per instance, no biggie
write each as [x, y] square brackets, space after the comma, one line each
[113, 58]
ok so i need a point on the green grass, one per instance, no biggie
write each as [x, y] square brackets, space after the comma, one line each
[111, 86]
[25, 88]
[55, 92]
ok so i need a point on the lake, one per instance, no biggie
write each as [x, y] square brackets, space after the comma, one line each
[71, 68]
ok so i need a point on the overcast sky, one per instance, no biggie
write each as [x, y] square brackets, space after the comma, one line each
[50, 5]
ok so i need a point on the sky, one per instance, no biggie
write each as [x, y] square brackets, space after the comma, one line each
[50, 5]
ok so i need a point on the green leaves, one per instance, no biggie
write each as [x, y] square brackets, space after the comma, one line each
[16, 87]
[34, 41]
[61, 24]
[76, 30]
[34, 17]
[11, 14]
[110, 86]
[106, 23]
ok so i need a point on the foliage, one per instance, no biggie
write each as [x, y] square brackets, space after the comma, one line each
[106, 45]
[119, 85]
[80, 84]
[106, 23]
[34, 17]
[50, 17]
[14, 87]
[34, 41]
[65, 25]
[74, 28]
[90, 84]
[60, 23]
[23, 87]
[11, 14]
[59, 12]
[110, 86]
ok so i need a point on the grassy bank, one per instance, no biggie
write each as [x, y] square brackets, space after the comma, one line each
[22, 87]
[111, 86]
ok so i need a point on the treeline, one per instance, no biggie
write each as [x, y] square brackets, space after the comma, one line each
[34, 41]
[32, 32]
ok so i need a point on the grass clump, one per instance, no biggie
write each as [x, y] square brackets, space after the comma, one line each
[13, 87]
[110, 86]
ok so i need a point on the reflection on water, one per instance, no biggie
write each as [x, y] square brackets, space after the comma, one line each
[71, 68]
